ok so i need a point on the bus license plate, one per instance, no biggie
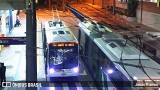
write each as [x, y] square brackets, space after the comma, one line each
[63, 74]
[67, 70]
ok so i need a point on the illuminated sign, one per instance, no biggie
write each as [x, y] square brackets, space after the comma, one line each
[62, 44]
[12, 40]
[70, 44]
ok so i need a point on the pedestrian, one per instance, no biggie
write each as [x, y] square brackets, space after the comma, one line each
[17, 15]
[3, 72]
[17, 23]
[17, 19]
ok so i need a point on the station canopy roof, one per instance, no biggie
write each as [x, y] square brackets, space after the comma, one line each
[13, 4]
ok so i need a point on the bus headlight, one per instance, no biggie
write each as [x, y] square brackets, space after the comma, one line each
[109, 71]
[76, 69]
[51, 70]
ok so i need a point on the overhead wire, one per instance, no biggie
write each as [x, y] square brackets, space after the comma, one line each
[56, 28]
[57, 14]
[127, 64]
[53, 15]
[73, 26]
[121, 56]
[121, 60]
[140, 63]
[64, 20]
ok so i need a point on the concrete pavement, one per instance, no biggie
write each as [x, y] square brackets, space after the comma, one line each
[13, 54]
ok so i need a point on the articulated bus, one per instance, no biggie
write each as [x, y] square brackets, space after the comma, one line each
[61, 50]
[115, 64]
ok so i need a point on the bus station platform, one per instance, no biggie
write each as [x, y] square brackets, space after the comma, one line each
[14, 56]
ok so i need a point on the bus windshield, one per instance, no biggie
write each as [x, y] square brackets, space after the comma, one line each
[63, 58]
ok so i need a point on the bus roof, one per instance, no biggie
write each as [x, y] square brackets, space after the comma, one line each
[112, 47]
[58, 32]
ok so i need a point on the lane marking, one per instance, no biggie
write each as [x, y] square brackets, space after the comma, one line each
[79, 86]
[65, 86]
[51, 86]
[92, 86]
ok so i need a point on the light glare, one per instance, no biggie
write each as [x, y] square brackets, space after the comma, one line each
[110, 71]
[52, 88]
[76, 69]
[135, 78]
[51, 70]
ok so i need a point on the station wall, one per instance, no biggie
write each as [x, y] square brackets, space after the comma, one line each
[99, 2]
[149, 19]
[150, 15]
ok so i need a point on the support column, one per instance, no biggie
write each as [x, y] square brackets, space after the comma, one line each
[64, 4]
[141, 10]
[102, 4]
[92, 2]
[114, 6]
[49, 4]
[31, 52]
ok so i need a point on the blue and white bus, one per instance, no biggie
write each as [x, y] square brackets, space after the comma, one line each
[115, 64]
[61, 50]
